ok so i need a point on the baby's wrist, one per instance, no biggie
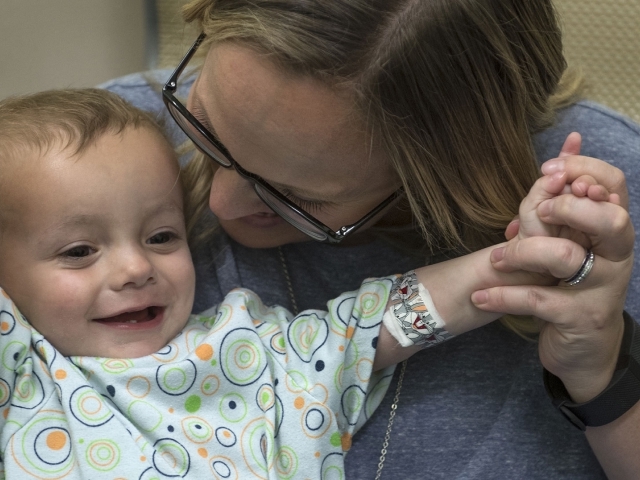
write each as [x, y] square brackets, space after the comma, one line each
[411, 317]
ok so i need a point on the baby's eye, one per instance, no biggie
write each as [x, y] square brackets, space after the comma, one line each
[80, 251]
[160, 238]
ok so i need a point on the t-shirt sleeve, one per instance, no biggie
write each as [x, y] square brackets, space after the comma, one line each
[144, 90]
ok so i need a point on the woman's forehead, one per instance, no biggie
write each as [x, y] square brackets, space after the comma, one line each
[236, 77]
[278, 125]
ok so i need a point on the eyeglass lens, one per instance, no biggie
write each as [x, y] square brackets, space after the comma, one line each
[288, 214]
[201, 142]
[273, 202]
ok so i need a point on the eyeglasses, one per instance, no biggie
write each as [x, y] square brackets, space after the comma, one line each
[278, 202]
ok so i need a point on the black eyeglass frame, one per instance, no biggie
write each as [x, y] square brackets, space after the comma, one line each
[331, 236]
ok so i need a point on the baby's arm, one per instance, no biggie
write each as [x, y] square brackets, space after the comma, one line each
[447, 306]
[447, 286]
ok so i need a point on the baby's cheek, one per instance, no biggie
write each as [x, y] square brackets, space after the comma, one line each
[182, 275]
[61, 299]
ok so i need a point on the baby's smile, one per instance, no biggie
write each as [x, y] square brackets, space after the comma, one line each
[145, 315]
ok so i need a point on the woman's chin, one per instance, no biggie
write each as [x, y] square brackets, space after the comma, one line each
[255, 232]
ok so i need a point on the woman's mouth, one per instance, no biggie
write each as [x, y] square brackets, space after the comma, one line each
[262, 220]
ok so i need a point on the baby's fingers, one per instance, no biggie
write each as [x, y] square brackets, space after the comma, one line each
[587, 186]
[607, 175]
[545, 188]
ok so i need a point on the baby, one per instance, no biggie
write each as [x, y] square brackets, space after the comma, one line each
[105, 373]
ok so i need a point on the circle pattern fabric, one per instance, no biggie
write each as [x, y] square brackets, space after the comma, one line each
[244, 391]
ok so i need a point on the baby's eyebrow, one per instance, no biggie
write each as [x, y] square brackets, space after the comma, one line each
[165, 207]
[88, 219]
[66, 223]
[76, 220]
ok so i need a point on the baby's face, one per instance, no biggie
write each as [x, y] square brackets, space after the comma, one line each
[93, 248]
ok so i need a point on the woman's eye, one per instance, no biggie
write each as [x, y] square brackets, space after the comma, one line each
[203, 121]
[80, 251]
[307, 205]
[162, 237]
[198, 115]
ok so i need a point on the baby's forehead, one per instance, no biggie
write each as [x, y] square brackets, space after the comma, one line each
[63, 145]
[28, 164]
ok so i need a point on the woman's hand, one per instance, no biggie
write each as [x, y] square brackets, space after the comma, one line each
[580, 340]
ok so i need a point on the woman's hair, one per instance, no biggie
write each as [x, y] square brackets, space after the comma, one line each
[452, 89]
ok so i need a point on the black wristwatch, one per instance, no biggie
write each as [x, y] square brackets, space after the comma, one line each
[622, 393]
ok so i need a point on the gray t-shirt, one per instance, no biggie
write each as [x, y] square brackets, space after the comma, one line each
[472, 408]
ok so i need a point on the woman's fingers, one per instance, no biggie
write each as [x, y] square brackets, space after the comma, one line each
[512, 229]
[556, 257]
[582, 307]
[579, 341]
[540, 302]
[572, 145]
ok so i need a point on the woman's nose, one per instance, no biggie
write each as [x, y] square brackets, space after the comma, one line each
[233, 197]
[133, 269]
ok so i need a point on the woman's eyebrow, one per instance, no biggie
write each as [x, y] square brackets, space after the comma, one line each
[298, 192]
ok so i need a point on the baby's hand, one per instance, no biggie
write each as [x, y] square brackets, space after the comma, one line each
[528, 223]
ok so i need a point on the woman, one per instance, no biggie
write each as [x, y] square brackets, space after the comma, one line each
[402, 113]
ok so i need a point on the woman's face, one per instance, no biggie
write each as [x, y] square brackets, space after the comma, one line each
[299, 135]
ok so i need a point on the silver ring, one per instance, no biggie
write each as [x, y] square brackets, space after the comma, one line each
[583, 271]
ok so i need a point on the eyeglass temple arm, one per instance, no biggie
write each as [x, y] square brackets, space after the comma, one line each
[347, 229]
[173, 79]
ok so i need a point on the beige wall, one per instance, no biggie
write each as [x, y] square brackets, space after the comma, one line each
[69, 43]
[602, 38]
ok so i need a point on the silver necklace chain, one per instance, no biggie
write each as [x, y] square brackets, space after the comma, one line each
[392, 416]
[287, 279]
[396, 398]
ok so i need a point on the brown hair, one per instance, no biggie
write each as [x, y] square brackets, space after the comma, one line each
[69, 118]
[453, 89]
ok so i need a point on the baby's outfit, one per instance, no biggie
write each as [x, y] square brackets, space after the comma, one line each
[244, 391]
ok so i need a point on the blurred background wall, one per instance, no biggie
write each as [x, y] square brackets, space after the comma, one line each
[602, 38]
[71, 43]
[58, 43]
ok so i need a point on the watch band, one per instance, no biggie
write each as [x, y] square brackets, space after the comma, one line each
[621, 394]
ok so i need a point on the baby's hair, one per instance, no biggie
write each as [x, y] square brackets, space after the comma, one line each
[70, 119]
